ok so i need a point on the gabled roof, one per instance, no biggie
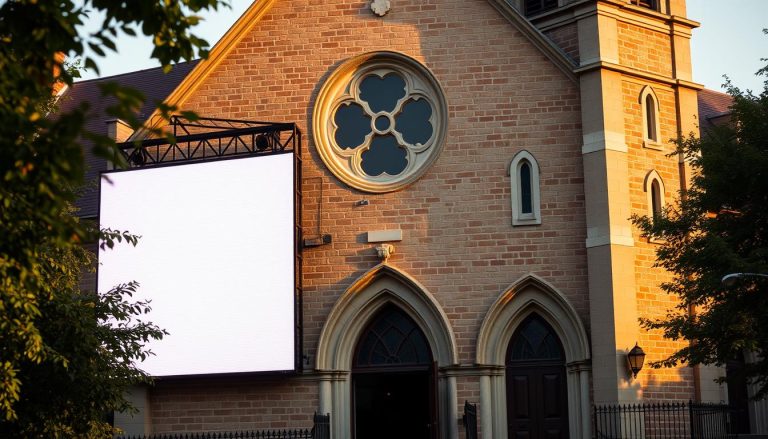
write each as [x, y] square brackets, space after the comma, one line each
[714, 107]
[259, 8]
[153, 83]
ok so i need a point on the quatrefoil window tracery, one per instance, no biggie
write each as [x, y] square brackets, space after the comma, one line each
[379, 121]
[382, 122]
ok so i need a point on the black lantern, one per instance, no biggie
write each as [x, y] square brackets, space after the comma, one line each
[636, 358]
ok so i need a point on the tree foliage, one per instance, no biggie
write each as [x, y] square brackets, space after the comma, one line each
[720, 226]
[90, 344]
[41, 165]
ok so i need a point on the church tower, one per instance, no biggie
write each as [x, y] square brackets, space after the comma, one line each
[637, 95]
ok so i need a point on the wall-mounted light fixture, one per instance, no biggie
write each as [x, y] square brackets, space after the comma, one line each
[636, 358]
[380, 7]
[730, 280]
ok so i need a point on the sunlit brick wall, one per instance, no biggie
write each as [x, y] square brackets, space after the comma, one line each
[503, 95]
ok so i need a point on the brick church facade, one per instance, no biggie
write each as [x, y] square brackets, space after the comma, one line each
[497, 242]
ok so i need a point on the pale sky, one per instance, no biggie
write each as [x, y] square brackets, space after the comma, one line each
[730, 41]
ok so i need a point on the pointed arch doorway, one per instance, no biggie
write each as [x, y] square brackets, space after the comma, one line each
[352, 314]
[393, 380]
[537, 396]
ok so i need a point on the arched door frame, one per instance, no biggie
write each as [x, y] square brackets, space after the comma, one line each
[350, 315]
[531, 294]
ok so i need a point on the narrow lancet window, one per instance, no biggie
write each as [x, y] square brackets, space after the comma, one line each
[655, 199]
[650, 110]
[650, 115]
[524, 176]
[654, 188]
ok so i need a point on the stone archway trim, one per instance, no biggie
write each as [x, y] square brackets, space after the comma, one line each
[349, 316]
[378, 286]
[527, 295]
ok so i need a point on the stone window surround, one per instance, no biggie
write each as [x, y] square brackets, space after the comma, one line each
[651, 177]
[518, 217]
[345, 164]
[651, 143]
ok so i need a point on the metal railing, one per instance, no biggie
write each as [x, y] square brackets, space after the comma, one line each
[470, 420]
[321, 430]
[208, 138]
[678, 420]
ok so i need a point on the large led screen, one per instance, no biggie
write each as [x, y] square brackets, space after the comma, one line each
[216, 258]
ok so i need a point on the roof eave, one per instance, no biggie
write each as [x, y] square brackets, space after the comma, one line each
[260, 7]
[205, 67]
[537, 38]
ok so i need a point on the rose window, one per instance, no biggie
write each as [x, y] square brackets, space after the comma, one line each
[379, 121]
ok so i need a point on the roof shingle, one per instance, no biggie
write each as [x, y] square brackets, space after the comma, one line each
[713, 105]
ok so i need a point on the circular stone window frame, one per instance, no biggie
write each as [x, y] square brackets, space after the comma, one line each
[342, 86]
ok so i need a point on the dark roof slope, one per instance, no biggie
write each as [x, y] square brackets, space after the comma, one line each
[153, 83]
[714, 107]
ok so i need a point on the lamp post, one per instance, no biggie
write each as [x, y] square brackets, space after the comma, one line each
[730, 279]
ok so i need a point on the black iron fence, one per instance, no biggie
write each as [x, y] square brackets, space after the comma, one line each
[470, 420]
[320, 430]
[664, 421]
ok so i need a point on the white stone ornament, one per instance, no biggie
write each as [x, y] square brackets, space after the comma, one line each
[380, 7]
[385, 251]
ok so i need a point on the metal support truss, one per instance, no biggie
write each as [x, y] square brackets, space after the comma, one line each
[208, 138]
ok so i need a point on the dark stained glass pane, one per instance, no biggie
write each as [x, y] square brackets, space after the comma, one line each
[353, 125]
[381, 123]
[534, 340]
[526, 205]
[383, 156]
[413, 122]
[650, 118]
[382, 94]
[392, 338]
[655, 198]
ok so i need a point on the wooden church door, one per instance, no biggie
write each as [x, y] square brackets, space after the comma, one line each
[537, 399]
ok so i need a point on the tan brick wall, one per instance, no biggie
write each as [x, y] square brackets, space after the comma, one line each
[467, 389]
[567, 38]
[232, 404]
[652, 302]
[644, 49]
[503, 96]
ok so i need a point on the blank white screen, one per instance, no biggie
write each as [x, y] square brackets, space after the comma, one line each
[216, 257]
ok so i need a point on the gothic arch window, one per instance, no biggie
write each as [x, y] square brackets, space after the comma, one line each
[379, 121]
[526, 199]
[534, 340]
[392, 339]
[654, 188]
[651, 128]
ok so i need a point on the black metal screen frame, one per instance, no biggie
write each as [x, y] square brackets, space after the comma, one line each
[204, 139]
[200, 142]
